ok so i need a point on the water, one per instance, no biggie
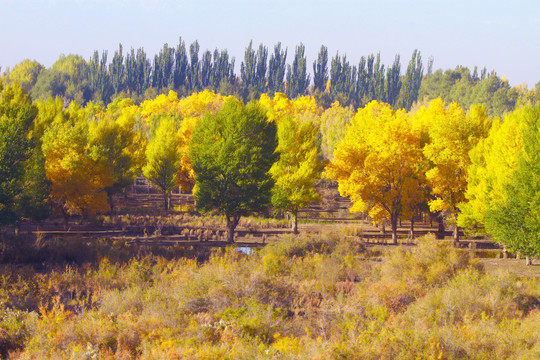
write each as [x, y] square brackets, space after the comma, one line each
[245, 249]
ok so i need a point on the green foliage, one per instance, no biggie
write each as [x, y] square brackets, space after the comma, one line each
[466, 89]
[412, 81]
[298, 167]
[232, 152]
[320, 69]
[493, 161]
[516, 222]
[276, 70]
[19, 162]
[297, 76]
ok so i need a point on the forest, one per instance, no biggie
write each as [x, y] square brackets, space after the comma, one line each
[254, 151]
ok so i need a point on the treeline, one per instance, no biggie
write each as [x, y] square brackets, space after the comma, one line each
[185, 70]
[462, 166]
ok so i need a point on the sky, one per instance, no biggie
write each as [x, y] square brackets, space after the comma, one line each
[500, 35]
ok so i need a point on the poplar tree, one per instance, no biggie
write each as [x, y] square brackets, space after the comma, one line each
[194, 67]
[180, 65]
[276, 70]
[412, 81]
[117, 71]
[297, 76]
[320, 70]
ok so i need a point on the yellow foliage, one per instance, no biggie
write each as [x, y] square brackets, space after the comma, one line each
[77, 173]
[305, 107]
[452, 134]
[379, 163]
[197, 104]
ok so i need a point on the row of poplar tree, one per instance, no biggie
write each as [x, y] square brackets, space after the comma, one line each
[188, 70]
[477, 171]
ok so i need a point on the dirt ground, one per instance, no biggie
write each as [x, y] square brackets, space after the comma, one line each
[512, 266]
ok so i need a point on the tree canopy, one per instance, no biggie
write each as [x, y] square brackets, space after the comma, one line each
[232, 152]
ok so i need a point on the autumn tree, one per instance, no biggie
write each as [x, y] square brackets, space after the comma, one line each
[112, 133]
[232, 152]
[162, 158]
[379, 164]
[452, 134]
[298, 167]
[75, 168]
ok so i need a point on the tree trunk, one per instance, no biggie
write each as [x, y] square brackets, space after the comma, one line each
[232, 222]
[394, 225]
[111, 201]
[166, 200]
[411, 231]
[295, 221]
[65, 215]
[441, 229]
[528, 260]
[456, 235]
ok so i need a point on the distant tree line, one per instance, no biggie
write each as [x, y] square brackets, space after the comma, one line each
[186, 70]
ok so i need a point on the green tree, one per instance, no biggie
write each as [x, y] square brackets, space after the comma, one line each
[17, 114]
[276, 70]
[412, 81]
[162, 158]
[232, 153]
[194, 67]
[297, 76]
[493, 161]
[298, 167]
[516, 222]
[320, 70]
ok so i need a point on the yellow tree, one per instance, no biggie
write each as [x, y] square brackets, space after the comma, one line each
[162, 158]
[379, 164]
[452, 134]
[75, 168]
[298, 167]
[121, 147]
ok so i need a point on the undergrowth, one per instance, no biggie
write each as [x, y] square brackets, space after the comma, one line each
[305, 297]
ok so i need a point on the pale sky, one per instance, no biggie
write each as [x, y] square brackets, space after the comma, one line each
[500, 35]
